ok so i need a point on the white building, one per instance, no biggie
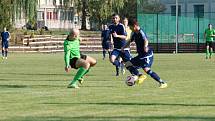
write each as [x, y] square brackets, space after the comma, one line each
[50, 13]
[201, 8]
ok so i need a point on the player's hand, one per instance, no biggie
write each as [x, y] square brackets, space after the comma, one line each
[146, 49]
[67, 69]
[115, 34]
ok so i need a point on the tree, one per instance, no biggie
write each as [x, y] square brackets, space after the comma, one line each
[5, 13]
[150, 6]
[10, 10]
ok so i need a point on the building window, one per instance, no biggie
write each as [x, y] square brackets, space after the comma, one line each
[49, 15]
[40, 15]
[55, 15]
[199, 11]
[173, 10]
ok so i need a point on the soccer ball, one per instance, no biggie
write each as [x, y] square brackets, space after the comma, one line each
[130, 80]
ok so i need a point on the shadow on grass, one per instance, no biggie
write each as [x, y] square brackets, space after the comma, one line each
[27, 86]
[45, 86]
[114, 118]
[13, 86]
[3, 79]
[32, 74]
[133, 104]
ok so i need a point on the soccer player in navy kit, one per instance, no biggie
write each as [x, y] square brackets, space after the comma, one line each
[118, 33]
[5, 35]
[106, 40]
[144, 59]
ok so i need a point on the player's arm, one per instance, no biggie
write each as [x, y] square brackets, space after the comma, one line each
[9, 36]
[213, 33]
[66, 57]
[205, 35]
[122, 34]
[146, 41]
[111, 39]
[123, 37]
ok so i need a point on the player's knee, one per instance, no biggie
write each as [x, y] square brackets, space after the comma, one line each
[87, 65]
[94, 62]
[128, 64]
[148, 71]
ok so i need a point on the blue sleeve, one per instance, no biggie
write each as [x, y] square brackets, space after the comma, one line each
[144, 37]
[102, 35]
[111, 29]
[123, 31]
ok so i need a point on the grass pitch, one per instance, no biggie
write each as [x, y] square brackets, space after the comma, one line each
[33, 88]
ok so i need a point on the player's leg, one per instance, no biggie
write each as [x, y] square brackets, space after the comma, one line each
[211, 49]
[92, 63]
[3, 53]
[6, 52]
[207, 50]
[82, 66]
[133, 65]
[3, 50]
[122, 65]
[125, 57]
[113, 59]
[156, 77]
[104, 53]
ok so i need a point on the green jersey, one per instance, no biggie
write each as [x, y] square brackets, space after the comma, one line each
[71, 50]
[208, 33]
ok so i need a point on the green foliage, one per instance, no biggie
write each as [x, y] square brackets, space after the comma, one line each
[147, 6]
[5, 14]
[11, 9]
[41, 31]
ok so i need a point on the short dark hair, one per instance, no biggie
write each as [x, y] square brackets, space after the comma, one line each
[134, 22]
[115, 14]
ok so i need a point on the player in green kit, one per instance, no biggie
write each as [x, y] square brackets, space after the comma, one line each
[74, 59]
[209, 35]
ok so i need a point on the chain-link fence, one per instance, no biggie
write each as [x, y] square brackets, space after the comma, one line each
[161, 30]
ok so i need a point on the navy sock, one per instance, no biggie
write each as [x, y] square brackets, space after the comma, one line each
[109, 53]
[133, 70]
[117, 70]
[104, 52]
[116, 63]
[3, 53]
[154, 76]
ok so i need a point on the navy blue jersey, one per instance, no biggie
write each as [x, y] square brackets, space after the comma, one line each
[120, 30]
[139, 38]
[105, 35]
[5, 36]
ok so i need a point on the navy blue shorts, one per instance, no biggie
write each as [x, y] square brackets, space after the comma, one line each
[5, 44]
[106, 45]
[126, 55]
[143, 61]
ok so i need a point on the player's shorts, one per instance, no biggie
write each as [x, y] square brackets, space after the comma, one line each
[106, 45]
[143, 61]
[5, 44]
[74, 60]
[209, 43]
[126, 55]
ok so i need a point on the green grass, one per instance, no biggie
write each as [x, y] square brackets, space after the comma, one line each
[33, 88]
